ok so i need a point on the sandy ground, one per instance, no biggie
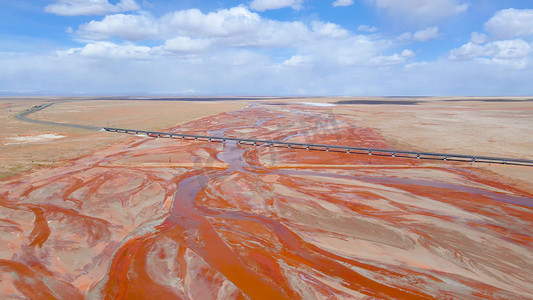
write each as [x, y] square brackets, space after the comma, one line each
[25, 146]
[501, 129]
[154, 218]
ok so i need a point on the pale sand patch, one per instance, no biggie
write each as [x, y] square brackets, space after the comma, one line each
[41, 138]
[134, 114]
[148, 115]
[495, 129]
[419, 256]
[392, 194]
[271, 178]
[466, 127]
[316, 104]
[519, 176]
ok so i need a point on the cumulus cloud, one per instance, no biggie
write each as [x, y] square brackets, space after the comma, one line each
[426, 34]
[513, 53]
[191, 33]
[507, 43]
[329, 30]
[239, 72]
[89, 7]
[478, 38]
[262, 5]
[296, 61]
[338, 3]
[367, 28]
[421, 10]
[394, 59]
[510, 23]
[421, 35]
[111, 50]
[130, 27]
[234, 27]
[407, 53]
[184, 44]
[232, 50]
[223, 23]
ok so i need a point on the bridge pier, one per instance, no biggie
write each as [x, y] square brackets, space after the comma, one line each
[358, 150]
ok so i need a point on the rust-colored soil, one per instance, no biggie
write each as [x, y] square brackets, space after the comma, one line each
[159, 218]
[29, 146]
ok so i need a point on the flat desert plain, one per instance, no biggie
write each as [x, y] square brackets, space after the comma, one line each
[95, 214]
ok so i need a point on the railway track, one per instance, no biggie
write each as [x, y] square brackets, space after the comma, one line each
[338, 148]
[23, 116]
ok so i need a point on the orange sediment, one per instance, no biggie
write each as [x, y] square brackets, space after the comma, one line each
[263, 222]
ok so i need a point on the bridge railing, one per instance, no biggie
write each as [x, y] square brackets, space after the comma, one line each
[310, 146]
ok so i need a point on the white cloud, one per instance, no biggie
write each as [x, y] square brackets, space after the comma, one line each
[338, 3]
[130, 27]
[114, 51]
[190, 32]
[329, 30]
[185, 44]
[262, 5]
[240, 72]
[382, 60]
[421, 35]
[426, 34]
[234, 27]
[355, 50]
[478, 38]
[296, 61]
[89, 7]
[407, 53]
[421, 10]
[223, 23]
[238, 51]
[367, 28]
[510, 23]
[512, 53]
[394, 59]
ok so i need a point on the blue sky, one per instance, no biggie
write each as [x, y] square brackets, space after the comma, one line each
[266, 47]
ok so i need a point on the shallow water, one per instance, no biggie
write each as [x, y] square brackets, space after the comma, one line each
[229, 223]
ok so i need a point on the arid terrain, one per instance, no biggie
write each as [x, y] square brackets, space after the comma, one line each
[91, 214]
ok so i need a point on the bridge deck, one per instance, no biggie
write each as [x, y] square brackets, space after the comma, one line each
[349, 149]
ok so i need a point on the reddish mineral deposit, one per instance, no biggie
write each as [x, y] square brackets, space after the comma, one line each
[158, 218]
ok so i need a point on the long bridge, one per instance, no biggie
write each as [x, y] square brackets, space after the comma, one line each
[324, 147]
[23, 116]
